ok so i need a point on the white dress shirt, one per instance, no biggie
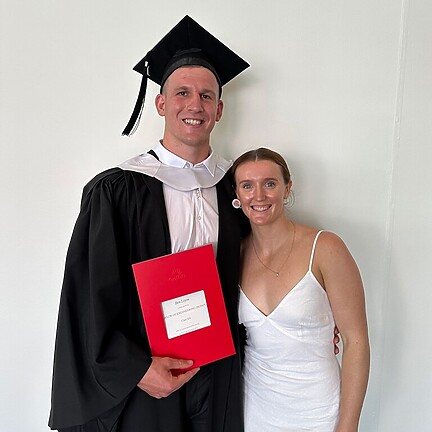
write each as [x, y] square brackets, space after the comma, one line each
[189, 192]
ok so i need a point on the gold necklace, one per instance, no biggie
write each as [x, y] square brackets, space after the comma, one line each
[286, 259]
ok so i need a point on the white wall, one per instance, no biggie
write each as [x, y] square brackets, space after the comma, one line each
[406, 376]
[342, 88]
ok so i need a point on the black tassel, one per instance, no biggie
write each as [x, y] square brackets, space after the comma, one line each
[133, 123]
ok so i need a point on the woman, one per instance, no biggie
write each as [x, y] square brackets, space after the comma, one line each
[297, 283]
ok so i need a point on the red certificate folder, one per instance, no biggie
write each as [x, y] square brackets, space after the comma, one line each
[185, 287]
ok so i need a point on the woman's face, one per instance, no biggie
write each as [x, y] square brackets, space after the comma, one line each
[261, 189]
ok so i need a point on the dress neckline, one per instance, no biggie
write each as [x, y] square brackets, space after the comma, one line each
[287, 295]
[309, 272]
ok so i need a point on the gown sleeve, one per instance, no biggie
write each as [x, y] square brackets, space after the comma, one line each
[99, 355]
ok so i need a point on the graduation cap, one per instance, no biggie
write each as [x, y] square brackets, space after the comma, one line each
[186, 44]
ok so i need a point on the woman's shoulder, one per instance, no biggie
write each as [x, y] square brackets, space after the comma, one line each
[330, 252]
[325, 240]
[331, 249]
[309, 232]
[330, 240]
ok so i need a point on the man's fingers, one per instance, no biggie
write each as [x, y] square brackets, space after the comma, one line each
[171, 363]
[176, 381]
[166, 375]
[184, 377]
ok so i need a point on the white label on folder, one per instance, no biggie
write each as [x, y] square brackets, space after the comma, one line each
[185, 314]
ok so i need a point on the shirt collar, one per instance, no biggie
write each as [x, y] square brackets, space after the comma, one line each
[171, 159]
[182, 178]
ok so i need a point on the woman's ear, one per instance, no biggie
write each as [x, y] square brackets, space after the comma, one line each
[288, 189]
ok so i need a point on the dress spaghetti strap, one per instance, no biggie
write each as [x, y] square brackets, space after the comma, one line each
[313, 249]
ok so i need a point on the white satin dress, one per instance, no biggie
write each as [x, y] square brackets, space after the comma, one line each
[291, 374]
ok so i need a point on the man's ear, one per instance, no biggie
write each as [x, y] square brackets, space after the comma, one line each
[219, 110]
[160, 104]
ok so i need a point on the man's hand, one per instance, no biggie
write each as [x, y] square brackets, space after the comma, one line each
[159, 380]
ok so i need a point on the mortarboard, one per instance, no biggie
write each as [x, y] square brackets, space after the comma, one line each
[186, 44]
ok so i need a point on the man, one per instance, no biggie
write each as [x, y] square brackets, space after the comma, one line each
[175, 198]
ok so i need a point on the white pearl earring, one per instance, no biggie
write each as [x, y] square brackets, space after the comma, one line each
[236, 203]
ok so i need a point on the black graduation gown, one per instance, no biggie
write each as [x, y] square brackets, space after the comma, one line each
[102, 350]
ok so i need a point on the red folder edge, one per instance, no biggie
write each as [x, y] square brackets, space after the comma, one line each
[175, 275]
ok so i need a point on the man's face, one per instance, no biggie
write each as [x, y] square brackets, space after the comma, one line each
[190, 104]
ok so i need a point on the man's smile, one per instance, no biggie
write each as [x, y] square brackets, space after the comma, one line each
[193, 122]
